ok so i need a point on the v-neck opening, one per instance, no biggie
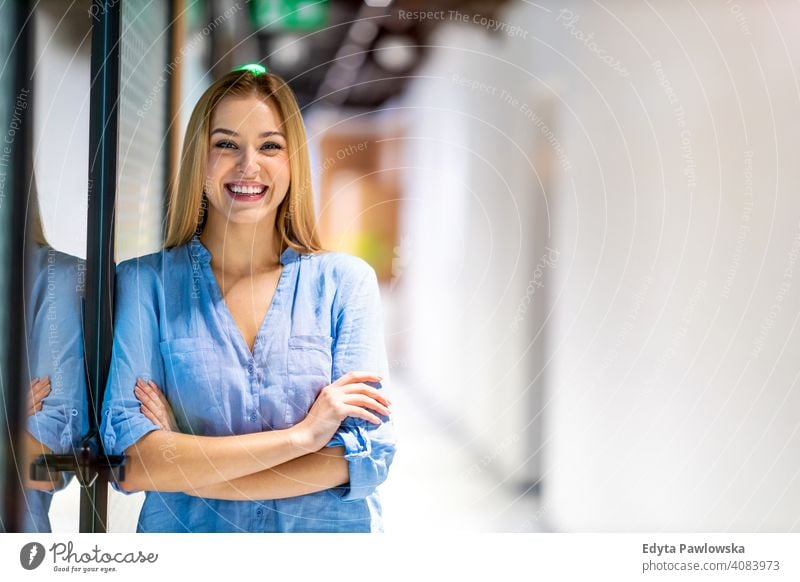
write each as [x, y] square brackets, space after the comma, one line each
[222, 305]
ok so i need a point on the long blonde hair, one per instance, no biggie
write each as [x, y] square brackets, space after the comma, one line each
[295, 219]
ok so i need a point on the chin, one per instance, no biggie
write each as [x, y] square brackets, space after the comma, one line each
[252, 216]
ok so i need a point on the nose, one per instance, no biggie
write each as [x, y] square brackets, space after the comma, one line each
[248, 163]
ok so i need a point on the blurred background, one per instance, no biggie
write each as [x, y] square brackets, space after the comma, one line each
[584, 217]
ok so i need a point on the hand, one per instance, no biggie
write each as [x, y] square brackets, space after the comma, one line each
[155, 405]
[40, 388]
[347, 396]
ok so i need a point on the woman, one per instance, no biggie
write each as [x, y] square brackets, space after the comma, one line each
[269, 351]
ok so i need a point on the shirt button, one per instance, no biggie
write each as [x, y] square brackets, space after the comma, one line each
[259, 512]
[253, 417]
[250, 367]
[74, 412]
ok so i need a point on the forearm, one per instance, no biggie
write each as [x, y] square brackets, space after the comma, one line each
[307, 474]
[170, 461]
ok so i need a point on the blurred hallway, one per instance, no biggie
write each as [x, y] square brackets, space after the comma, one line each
[437, 485]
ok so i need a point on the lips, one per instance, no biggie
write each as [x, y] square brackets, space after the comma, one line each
[246, 192]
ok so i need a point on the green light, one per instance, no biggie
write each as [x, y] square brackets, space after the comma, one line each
[254, 68]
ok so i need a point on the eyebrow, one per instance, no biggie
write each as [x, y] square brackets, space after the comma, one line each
[234, 134]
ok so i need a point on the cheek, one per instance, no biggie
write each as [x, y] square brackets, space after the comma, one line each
[284, 174]
[213, 165]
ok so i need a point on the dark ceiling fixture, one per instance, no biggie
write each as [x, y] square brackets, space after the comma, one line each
[358, 55]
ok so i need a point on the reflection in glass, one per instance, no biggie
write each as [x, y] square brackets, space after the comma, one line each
[56, 399]
[55, 385]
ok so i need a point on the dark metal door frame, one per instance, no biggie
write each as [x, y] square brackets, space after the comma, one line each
[99, 305]
[18, 185]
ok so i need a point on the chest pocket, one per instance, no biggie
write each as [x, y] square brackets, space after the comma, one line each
[193, 384]
[309, 366]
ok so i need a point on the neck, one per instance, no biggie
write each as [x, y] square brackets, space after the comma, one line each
[242, 249]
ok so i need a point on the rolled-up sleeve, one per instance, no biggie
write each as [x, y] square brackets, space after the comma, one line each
[359, 346]
[135, 354]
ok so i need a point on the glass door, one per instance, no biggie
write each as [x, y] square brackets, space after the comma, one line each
[52, 190]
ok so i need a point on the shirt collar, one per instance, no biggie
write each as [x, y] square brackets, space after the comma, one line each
[198, 250]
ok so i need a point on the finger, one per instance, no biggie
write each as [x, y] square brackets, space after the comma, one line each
[36, 398]
[369, 391]
[158, 394]
[367, 402]
[154, 386]
[38, 382]
[145, 398]
[357, 412]
[351, 377]
[165, 406]
[41, 387]
[153, 418]
[41, 391]
[153, 414]
[158, 411]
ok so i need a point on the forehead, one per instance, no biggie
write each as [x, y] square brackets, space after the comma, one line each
[243, 114]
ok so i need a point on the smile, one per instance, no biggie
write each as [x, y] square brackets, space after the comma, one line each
[246, 193]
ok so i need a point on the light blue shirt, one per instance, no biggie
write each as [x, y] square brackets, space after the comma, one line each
[54, 348]
[172, 326]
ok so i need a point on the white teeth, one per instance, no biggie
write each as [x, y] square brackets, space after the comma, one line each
[249, 190]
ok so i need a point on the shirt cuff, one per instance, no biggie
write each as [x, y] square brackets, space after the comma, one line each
[357, 452]
[57, 427]
[121, 431]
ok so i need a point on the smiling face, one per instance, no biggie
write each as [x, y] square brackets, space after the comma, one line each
[247, 174]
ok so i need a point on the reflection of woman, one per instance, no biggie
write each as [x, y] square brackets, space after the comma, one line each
[244, 327]
[57, 400]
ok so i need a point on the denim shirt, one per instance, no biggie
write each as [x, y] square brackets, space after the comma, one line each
[172, 326]
[54, 348]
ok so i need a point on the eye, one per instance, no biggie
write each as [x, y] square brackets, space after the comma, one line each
[271, 145]
[225, 144]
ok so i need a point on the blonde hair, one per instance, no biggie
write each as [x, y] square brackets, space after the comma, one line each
[295, 219]
[35, 227]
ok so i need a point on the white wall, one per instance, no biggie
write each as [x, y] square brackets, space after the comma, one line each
[61, 123]
[669, 351]
[471, 251]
